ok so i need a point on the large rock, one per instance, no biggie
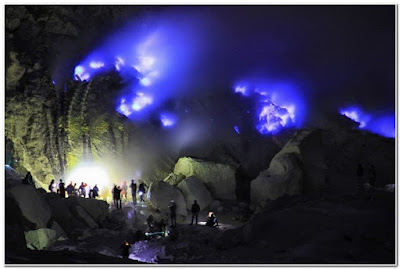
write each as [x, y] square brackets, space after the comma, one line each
[174, 179]
[193, 189]
[83, 216]
[218, 178]
[97, 209]
[60, 212]
[299, 167]
[40, 239]
[32, 204]
[284, 176]
[160, 195]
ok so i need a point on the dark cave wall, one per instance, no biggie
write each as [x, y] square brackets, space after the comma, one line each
[50, 128]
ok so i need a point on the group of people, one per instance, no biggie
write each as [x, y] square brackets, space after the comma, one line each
[72, 189]
[119, 191]
[211, 221]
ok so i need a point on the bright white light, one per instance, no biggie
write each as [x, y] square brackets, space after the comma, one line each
[91, 174]
[145, 81]
[119, 62]
[145, 64]
[241, 89]
[96, 65]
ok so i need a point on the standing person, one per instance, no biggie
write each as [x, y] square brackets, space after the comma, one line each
[70, 189]
[360, 178]
[133, 191]
[52, 186]
[61, 187]
[95, 191]
[117, 199]
[90, 192]
[142, 191]
[172, 209]
[372, 180]
[124, 188]
[195, 211]
[82, 190]
[114, 194]
[75, 189]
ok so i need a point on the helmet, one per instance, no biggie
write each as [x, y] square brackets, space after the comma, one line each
[172, 201]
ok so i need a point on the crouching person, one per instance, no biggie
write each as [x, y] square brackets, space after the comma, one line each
[212, 220]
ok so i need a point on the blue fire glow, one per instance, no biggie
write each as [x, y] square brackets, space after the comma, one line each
[168, 120]
[236, 128]
[278, 104]
[378, 123]
[357, 115]
[152, 58]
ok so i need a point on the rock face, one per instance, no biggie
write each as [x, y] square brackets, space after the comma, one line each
[32, 204]
[160, 195]
[218, 178]
[40, 239]
[174, 179]
[97, 209]
[284, 176]
[193, 189]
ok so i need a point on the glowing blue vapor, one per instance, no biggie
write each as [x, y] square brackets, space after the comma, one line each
[167, 119]
[278, 104]
[378, 123]
[152, 58]
[357, 115]
[236, 129]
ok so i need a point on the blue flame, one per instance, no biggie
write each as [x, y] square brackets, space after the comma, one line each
[236, 128]
[378, 123]
[357, 115]
[168, 120]
[278, 104]
[152, 58]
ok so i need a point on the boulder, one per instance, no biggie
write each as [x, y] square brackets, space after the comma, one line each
[57, 228]
[193, 189]
[40, 239]
[60, 212]
[97, 209]
[299, 167]
[284, 176]
[219, 178]
[83, 216]
[174, 179]
[32, 204]
[160, 195]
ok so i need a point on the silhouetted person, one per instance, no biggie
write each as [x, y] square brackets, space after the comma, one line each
[95, 191]
[90, 192]
[372, 180]
[125, 249]
[117, 196]
[172, 209]
[133, 191]
[142, 191]
[70, 189]
[61, 188]
[75, 189]
[195, 211]
[28, 179]
[82, 190]
[360, 177]
[52, 186]
[212, 220]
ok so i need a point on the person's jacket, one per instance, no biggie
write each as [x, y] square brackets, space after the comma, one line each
[195, 208]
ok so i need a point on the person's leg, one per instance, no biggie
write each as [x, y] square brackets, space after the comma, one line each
[197, 215]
